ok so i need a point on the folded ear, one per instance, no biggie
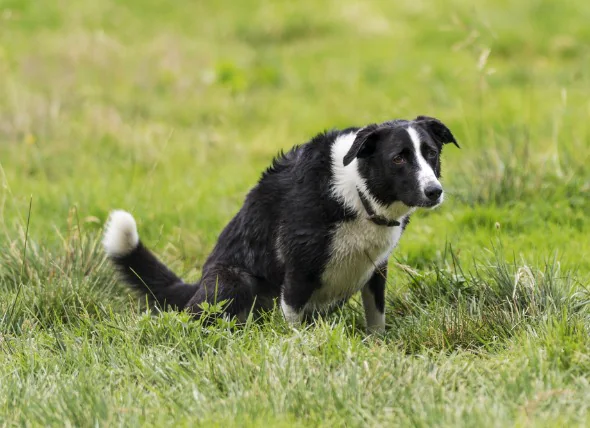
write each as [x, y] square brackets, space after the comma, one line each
[363, 145]
[437, 129]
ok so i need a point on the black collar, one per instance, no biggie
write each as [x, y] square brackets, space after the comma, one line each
[379, 220]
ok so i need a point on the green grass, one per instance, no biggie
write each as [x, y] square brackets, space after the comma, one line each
[172, 110]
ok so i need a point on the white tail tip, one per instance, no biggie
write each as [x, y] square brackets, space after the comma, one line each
[120, 237]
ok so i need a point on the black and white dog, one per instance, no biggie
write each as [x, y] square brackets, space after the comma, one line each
[318, 227]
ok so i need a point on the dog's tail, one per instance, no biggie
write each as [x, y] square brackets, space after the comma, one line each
[139, 268]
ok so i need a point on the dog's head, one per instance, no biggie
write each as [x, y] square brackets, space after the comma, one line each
[400, 160]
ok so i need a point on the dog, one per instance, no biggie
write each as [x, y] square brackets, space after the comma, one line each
[318, 227]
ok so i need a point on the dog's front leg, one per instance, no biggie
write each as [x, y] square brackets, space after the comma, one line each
[292, 315]
[374, 300]
[295, 295]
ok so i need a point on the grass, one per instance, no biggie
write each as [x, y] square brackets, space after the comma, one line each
[172, 111]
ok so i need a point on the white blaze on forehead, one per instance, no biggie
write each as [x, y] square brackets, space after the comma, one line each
[426, 174]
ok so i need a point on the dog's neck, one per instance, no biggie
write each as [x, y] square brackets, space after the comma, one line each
[349, 185]
[374, 217]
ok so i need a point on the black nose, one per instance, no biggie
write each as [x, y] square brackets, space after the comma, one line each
[433, 192]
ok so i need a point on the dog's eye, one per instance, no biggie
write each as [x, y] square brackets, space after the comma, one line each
[431, 154]
[398, 160]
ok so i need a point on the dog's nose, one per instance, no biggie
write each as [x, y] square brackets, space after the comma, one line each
[433, 191]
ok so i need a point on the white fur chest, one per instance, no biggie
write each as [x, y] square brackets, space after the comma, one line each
[357, 248]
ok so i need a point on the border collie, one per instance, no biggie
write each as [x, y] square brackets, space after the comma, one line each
[317, 228]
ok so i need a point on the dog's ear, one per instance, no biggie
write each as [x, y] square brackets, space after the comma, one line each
[363, 145]
[437, 130]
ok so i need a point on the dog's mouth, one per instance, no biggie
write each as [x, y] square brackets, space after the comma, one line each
[432, 205]
[428, 203]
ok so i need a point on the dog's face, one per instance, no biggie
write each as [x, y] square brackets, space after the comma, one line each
[400, 160]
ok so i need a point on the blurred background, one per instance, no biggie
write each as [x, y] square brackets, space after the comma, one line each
[172, 110]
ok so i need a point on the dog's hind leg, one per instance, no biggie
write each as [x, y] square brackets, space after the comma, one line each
[233, 285]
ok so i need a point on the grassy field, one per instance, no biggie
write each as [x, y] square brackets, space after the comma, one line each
[171, 110]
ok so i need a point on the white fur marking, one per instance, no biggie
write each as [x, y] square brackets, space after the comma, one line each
[426, 174]
[291, 315]
[346, 178]
[357, 247]
[120, 237]
[375, 318]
